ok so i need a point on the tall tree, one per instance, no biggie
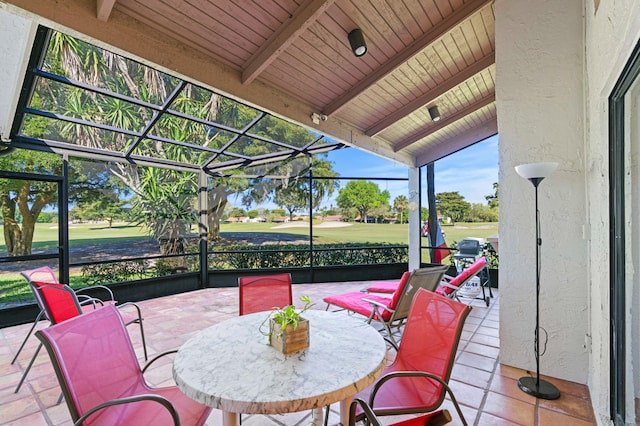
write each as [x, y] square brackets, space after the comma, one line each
[492, 200]
[293, 195]
[452, 204]
[363, 196]
[22, 201]
[401, 205]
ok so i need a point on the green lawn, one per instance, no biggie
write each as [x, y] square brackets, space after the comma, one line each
[46, 235]
[366, 232]
[45, 238]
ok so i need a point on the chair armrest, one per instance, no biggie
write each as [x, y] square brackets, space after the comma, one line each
[379, 305]
[155, 358]
[127, 400]
[424, 374]
[368, 413]
[136, 307]
[97, 287]
[84, 299]
[447, 285]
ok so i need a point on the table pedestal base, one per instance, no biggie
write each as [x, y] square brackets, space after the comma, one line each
[229, 419]
[316, 417]
[345, 404]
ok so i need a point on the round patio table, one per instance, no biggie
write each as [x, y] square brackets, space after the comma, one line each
[230, 366]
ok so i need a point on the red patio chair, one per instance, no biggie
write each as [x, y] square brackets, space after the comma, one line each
[392, 311]
[436, 418]
[417, 380]
[101, 379]
[264, 292]
[46, 275]
[60, 303]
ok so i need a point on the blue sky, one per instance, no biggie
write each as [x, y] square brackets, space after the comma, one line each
[471, 172]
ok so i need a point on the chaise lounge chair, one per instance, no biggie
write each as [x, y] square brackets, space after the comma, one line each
[392, 311]
[452, 287]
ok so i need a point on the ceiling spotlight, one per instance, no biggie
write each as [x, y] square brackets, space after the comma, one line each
[356, 40]
[434, 113]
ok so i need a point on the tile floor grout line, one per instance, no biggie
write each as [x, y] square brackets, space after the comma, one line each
[479, 411]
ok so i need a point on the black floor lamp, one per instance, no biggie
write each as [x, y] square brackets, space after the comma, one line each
[535, 386]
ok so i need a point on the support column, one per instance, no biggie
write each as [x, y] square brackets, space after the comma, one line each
[17, 34]
[414, 218]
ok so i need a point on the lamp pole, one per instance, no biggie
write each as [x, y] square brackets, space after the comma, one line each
[537, 387]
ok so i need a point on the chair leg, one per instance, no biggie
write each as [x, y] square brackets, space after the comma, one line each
[24, 375]
[138, 320]
[144, 342]
[455, 404]
[38, 318]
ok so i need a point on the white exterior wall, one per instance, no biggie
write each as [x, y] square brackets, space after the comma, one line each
[611, 34]
[540, 102]
[17, 35]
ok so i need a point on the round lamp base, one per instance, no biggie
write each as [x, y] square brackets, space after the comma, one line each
[543, 390]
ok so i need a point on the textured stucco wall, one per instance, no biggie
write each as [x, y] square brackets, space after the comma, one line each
[16, 34]
[611, 34]
[540, 102]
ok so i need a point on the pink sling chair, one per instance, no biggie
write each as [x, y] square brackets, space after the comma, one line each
[392, 311]
[417, 380]
[264, 292]
[59, 302]
[101, 379]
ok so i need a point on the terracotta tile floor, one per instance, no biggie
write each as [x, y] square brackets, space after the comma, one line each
[486, 389]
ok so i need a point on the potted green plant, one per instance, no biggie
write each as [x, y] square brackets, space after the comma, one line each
[288, 330]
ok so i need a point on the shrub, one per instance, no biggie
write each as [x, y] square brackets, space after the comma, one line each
[106, 273]
[297, 255]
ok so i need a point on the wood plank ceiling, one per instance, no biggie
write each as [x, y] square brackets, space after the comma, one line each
[292, 58]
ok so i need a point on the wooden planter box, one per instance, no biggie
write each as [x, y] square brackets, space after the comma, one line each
[290, 339]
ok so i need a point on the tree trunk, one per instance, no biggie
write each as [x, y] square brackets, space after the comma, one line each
[19, 239]
[12, 231]
[217, 201]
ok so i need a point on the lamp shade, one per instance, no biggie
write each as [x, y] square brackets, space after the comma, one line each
[356, 40]
[536, 170]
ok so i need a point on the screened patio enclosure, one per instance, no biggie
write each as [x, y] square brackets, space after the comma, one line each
[175, 154]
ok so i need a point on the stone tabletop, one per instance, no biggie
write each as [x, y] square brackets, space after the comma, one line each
[231, 366]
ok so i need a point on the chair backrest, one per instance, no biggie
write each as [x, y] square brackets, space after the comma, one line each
[431, 336]
[59, 301]
[44, 274]
[264, 292]
[463, 276]
[94, 361]
[469, 247]
[427, 278]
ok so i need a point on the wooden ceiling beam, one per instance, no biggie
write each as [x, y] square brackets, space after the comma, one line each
[428, 38]
[444, 122]
[280, 40]
[433, 94]
[104, 8]
[458, 142]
